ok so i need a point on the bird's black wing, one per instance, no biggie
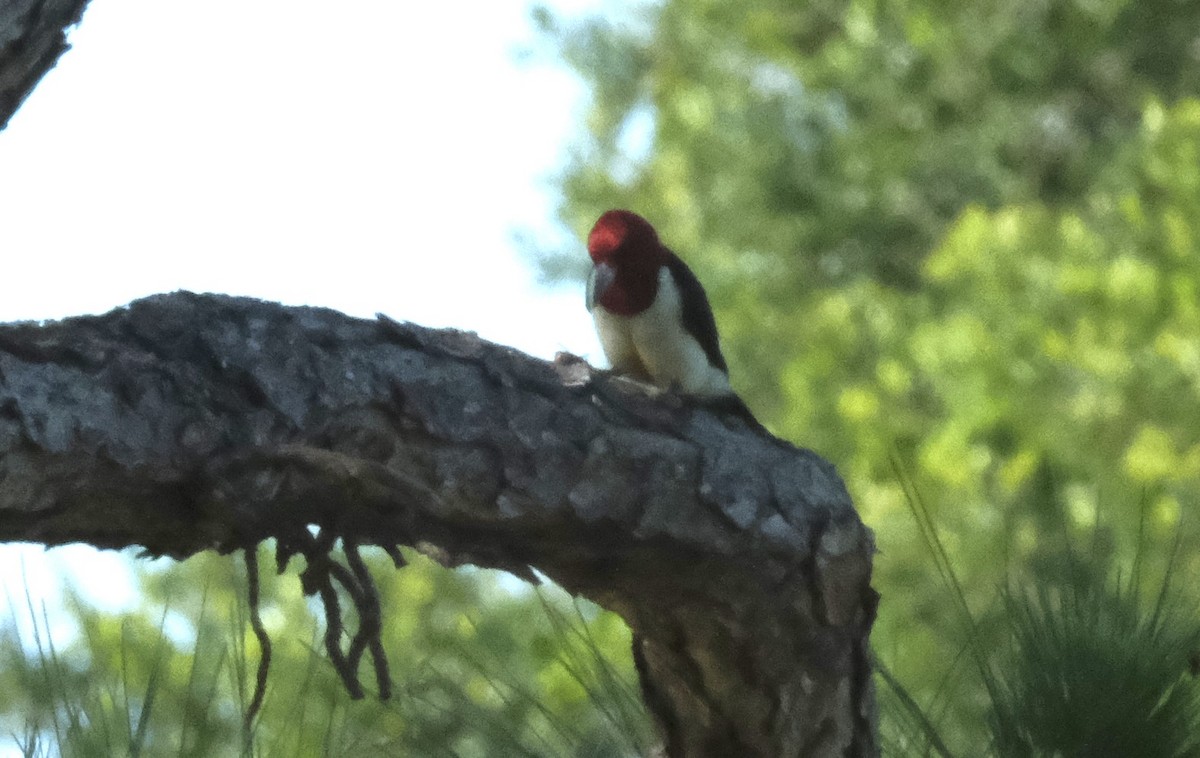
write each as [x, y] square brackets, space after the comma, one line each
[698, 317]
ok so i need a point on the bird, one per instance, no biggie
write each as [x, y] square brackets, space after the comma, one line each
[652, 316]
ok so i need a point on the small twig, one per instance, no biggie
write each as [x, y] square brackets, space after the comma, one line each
[260, 632]
[349, 581]
[370, 625]
[318, 578]
[333, 639]
[393, 552]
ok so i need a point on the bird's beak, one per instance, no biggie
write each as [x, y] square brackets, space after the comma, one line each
[602, 277]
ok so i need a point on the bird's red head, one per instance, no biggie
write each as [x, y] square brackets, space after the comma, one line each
[626, 245]
[622, 236]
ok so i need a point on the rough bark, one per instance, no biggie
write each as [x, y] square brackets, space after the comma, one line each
[186, 423]
[33, 35]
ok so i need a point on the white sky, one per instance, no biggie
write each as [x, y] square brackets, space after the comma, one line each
[370, 155]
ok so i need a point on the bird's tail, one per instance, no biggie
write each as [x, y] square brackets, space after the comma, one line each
[733, 405]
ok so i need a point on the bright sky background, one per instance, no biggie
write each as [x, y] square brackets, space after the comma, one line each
[368, 155]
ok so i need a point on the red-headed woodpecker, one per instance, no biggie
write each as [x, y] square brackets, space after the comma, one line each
[653, 318]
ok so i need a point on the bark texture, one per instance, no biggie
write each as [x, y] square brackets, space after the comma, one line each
[33, 35]
[185, 423]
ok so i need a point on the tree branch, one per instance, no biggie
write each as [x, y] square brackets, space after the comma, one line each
[185, 423]
[33, 35]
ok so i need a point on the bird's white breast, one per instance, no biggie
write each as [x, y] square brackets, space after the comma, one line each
[657, 341]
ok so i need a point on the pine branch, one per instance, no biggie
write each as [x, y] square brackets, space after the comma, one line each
[33, 36]
[186, 423]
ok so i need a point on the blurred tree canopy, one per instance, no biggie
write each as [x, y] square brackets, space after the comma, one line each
[958, 241]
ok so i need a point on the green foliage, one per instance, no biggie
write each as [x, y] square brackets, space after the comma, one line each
[482, 666]
[961, 235]
[107, 693]
[1092, 671]
[839, 138]
[1076, 664]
